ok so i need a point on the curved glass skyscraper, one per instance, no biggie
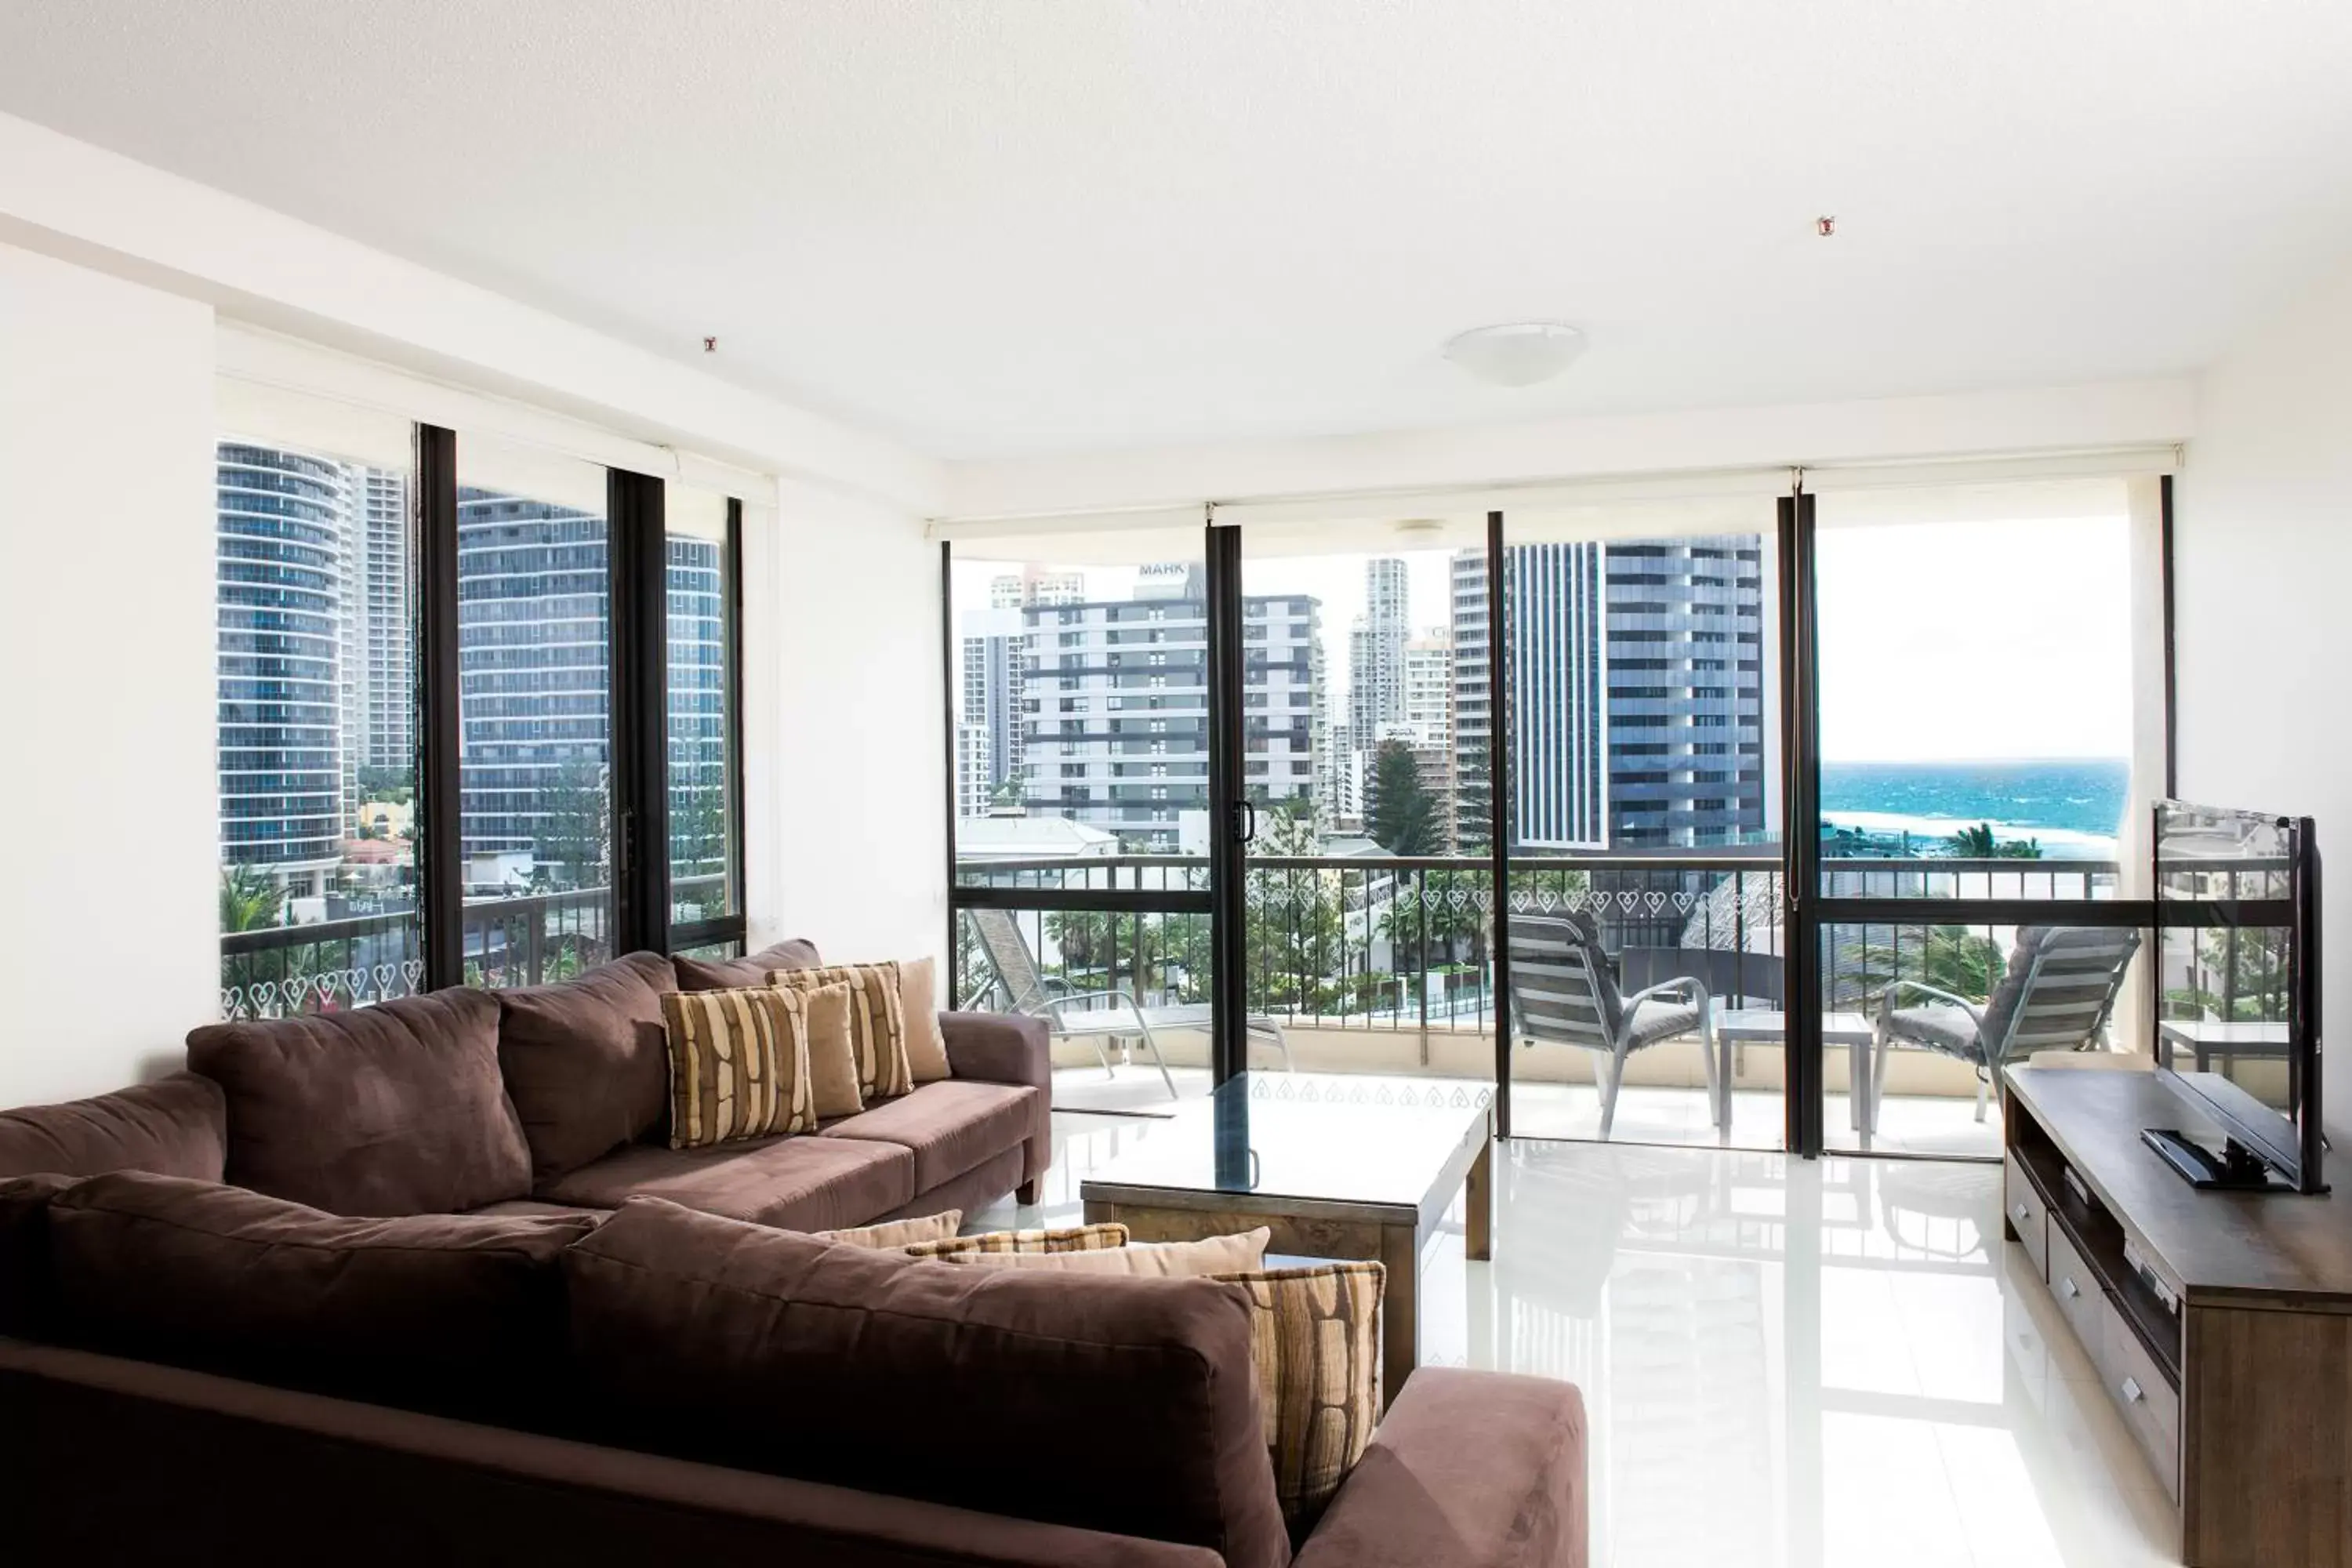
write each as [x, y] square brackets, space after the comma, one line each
[279, 578]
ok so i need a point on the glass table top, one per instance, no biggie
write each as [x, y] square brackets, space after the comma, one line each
[1330, 1137]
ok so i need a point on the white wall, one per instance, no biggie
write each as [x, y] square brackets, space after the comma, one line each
[847, 791]
[2262, 595]
[108, 930]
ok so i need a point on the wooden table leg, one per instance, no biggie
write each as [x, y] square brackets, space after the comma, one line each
[1399, 1308]
[1478, 1198]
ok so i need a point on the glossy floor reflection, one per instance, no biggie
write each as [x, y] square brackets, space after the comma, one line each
[1787, 1363]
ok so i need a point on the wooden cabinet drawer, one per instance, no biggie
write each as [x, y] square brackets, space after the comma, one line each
[2150, 1406]
[2023, 1209]
[2081, 1300]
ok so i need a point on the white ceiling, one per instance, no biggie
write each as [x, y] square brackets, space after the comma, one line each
[1048, 225]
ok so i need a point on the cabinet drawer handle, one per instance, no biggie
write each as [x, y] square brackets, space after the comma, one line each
[2066, 1289]
[2132, 1393]
[2022, 1211]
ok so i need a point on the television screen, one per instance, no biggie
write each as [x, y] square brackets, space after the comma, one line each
[2235, 1025]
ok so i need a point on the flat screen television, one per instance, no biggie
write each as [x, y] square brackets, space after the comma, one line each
[2237, 1004]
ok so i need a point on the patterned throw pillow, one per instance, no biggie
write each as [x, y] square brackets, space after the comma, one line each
[1220, 1255]
[1077, 1238]
[1315, 1333]
[877, 1021]
[895, 1233]
[739, 1065]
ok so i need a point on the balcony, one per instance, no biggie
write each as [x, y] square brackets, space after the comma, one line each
[329, 965]
[1383, 966]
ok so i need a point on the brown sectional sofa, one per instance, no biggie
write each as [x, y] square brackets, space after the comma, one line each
[192, 1371]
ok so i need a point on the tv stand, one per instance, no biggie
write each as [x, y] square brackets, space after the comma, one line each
[2236, 1169]
[2219, 1320]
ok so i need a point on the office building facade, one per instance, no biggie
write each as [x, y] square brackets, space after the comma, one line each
[1116, 706]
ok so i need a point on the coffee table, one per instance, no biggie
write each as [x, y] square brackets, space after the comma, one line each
[1334, 1164]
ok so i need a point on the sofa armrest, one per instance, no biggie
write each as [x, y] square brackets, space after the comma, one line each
[1008, 1048]
[1470, 1470]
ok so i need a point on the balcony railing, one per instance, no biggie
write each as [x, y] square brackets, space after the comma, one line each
[1405, 942]
[330, 965]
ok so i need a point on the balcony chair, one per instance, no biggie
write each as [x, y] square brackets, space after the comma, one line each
[1083, 1014]
[1563, 991]
[2057, 993]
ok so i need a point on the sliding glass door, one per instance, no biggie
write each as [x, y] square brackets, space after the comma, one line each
[1368, 885]
[1083, 831]
[1735, 818]
[1644, 926]
[1990, 688]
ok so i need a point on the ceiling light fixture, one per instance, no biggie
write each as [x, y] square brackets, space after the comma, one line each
[1517, 353]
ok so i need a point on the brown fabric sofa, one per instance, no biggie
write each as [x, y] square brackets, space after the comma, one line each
[193, 1370]
[742, 1394]
[514, 1101]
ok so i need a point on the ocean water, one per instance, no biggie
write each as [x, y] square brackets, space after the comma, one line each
[2073, 807]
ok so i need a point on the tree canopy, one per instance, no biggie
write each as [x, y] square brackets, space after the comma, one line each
[1401, 815]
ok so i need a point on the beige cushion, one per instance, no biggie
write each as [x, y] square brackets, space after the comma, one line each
[1315, 1333]
[897, 1232]
[918, 1002]
[739, 1065]
[1220, 1254]
[877, 1021]
[1075, 1238]
[832, 1052]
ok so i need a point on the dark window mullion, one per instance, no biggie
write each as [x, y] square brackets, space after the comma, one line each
[441, 867]
[639, 746]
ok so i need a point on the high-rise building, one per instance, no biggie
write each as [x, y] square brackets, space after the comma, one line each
[695, 586]
[388, 606]
[1559, 722]
[1688, 747]
[1035, 586]
[534, 657]
[1471, 725]
[973, 784]
[1339, 776]
[281, 576]
[1117, 702]
[1376, 648]
[1636, 678]
[994, 647]
[1428, 688]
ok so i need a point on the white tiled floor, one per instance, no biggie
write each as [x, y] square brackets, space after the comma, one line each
[1787, 1363]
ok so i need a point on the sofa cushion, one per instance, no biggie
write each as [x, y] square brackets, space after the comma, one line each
[24, 1309]
[877, 1022]
[898, 1233]
[952, 1126]
[954, 1385]
[458, 1313]
[800, 1184]
[176, 1126]
[832, 1051]
[725, 973]
[587, 1060]
[390, 1109]
[1105, 1236]
[1316, 1332]
[1241, 1253]
[739, 1065]
[918, 1007]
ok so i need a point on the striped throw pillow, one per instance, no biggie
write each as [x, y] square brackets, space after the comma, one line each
[739, 1065]
[1076, 1238]
[877, 1021]
[1315, 1335]
[892, 1233]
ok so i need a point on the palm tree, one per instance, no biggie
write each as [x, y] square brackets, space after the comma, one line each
[249, 900]
[1978, 842]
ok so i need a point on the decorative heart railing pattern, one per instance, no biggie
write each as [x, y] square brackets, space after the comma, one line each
[328, 991]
